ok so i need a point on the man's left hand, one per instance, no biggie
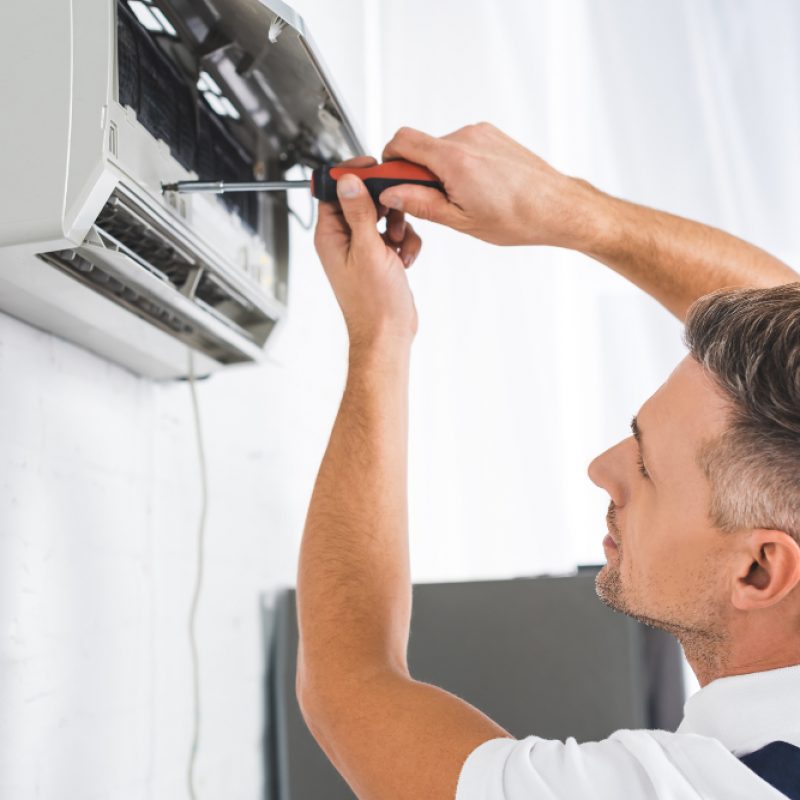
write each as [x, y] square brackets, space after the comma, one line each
[365, 267]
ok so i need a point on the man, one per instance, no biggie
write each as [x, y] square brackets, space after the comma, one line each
[704, 519]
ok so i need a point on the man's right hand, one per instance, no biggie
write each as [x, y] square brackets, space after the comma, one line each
[502, 193]
[497, 190]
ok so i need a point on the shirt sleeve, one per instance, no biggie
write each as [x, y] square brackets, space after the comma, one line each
[545, 769]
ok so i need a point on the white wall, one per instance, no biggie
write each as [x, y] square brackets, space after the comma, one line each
[526, 364]
[99, 504]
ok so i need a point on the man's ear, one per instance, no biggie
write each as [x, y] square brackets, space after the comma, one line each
[768, 569]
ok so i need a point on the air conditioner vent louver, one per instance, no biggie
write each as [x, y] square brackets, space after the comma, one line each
[130, 259]
[144, 241]
[80, 268]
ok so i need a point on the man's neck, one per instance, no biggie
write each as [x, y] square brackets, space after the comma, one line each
[727, 665]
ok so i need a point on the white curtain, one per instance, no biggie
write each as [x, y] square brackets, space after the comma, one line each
[531, 361]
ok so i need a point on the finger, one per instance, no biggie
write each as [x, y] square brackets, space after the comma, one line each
[415, 146]
[478, 133]
[458, 135]
[330, 219]
[396, 226]
[421, 202]
[358, 209]
[359, 161]
[331, 230]
[410, 248]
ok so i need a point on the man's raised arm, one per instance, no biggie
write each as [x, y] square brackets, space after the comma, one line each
[391, 737]
[499, 191]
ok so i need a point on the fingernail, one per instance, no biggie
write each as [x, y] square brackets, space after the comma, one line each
[408, 260]
[348, 186]
[393, 201]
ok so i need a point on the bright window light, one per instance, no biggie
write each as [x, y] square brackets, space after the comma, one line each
[220, 104]
[215, 103]
[230, 108]
[207, 84]
[165, 23]
[144, 14]
[151, 17]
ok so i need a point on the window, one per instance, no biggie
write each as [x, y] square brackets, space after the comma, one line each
[220, 104]
[151, 17]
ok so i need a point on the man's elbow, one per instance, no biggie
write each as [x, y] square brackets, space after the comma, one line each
[308, 699]
[312, 707]
[324, 701]
[329, 698]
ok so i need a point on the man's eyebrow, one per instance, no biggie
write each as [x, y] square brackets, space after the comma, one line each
[637, 434]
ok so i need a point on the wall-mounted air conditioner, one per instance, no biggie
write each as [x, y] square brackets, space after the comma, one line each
[102, 102]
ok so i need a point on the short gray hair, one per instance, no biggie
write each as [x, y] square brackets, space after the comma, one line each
[748, 341]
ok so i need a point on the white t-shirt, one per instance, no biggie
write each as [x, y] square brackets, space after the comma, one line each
[729, 717]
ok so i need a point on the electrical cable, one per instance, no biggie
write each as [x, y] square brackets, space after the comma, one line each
[201, 535]
[198, 585]
[306, 226]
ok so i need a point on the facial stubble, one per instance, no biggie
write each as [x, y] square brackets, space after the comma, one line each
[704, 644]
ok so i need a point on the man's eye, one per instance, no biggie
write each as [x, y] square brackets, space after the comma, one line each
[642, 468]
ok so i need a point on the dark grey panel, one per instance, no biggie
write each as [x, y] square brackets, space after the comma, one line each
[540, 656]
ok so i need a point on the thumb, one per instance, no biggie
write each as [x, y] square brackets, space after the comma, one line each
[358, 209]
[421, 202]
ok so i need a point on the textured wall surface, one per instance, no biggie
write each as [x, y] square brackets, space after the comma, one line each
[99, 506]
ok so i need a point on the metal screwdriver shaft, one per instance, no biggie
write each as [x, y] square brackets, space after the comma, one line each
[220, 187]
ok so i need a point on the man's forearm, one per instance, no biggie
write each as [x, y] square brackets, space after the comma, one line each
[501, 192]
[354, 589]
[674, 259]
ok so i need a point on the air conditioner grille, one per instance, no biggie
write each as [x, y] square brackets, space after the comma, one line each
[79, 267]
[129, 258]
[143, 240]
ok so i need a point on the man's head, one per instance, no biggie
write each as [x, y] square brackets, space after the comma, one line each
[705, 496]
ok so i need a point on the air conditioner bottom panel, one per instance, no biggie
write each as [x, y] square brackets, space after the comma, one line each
[39, 294]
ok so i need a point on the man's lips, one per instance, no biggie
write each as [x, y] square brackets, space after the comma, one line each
[609, 543]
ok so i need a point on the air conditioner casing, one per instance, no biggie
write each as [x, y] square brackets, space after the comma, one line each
[90, 247]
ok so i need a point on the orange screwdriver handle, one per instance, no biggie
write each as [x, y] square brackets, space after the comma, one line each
[377, 178]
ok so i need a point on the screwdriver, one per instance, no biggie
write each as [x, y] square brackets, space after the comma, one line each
[376, 178]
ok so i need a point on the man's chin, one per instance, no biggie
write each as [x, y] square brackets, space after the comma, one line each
[608, 585]
[609, 588]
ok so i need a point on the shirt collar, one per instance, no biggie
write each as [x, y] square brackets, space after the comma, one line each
[746, 712]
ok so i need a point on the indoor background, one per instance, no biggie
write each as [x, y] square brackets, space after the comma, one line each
[527, 364]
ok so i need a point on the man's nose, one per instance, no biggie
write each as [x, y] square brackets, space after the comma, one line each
[607, 471]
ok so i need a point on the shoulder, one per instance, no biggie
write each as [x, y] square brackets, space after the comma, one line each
[535, 767]
[629, 763]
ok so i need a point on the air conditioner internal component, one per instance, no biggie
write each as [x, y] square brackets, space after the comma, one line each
[110, 98]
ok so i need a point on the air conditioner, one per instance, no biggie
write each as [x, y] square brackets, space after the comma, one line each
[105, 100]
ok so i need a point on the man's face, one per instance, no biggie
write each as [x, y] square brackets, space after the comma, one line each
[666, 560]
